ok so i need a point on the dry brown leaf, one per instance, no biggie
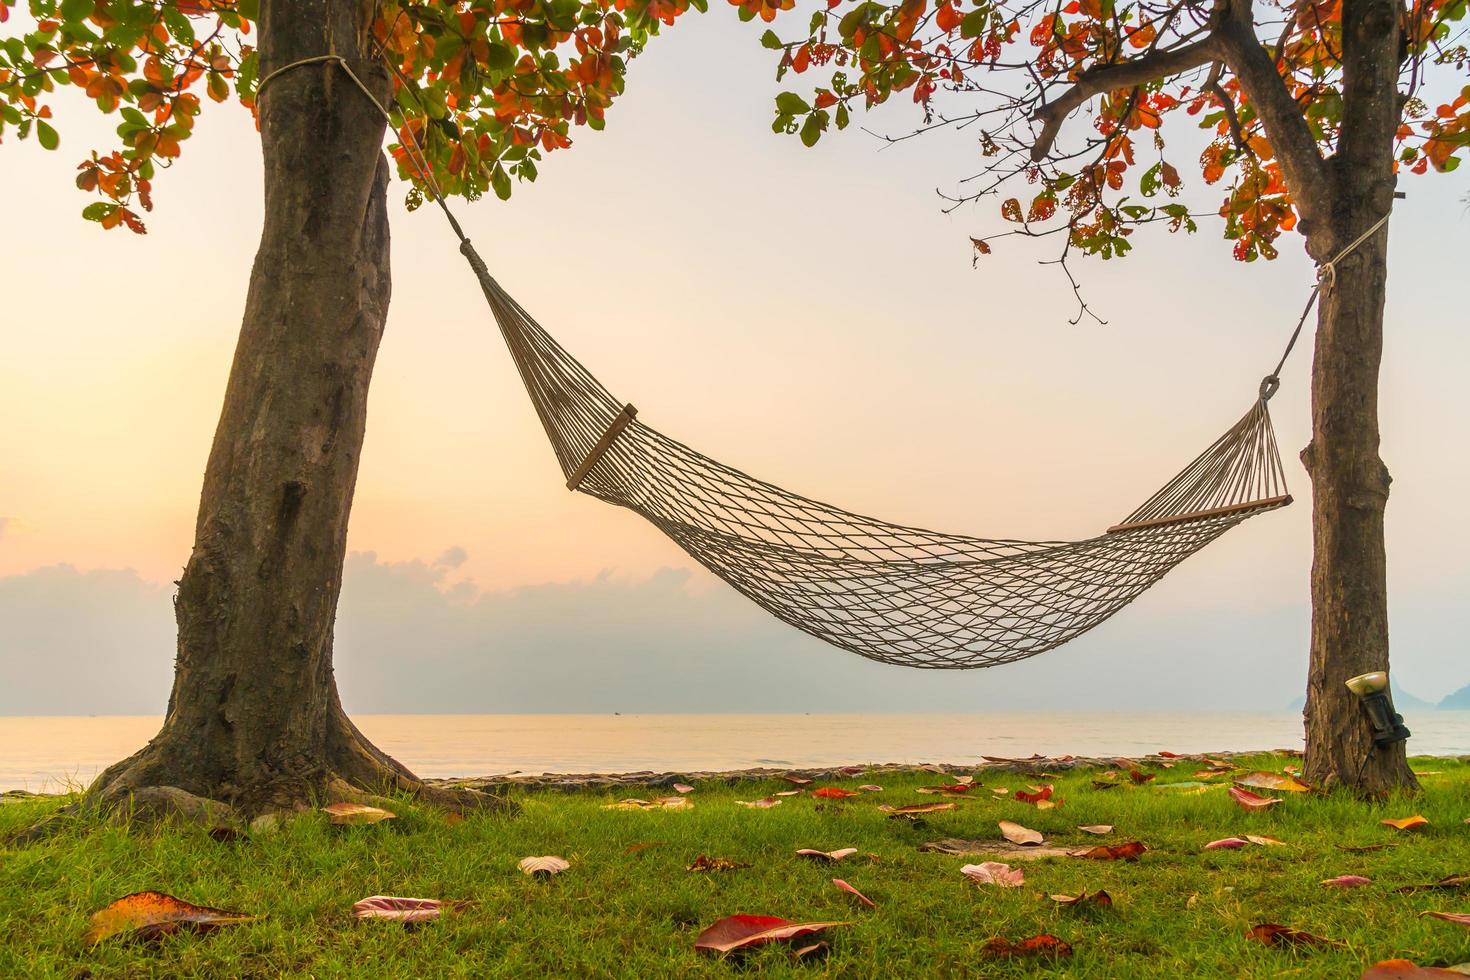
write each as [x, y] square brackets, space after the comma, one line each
[1097, 829]
[761, 804]
[796, 780]
[1347, 881]
[1458, 918]
[545, 865]
[1277, 935]
[912, 808]
[987, 848]
[1265, 841]
[829, 856]
[1042, 945]
[1251, 801]
[1130, 851]
[354, 814]
[406, 910]
[742, 931]
[1017, 834]
[706, 863]
[1271, 780]
[994, 873]
[1446, 883]
[865, 900]
[152, 915]
[682, 788]
[870, 788]
[789, 792]
[1406, 823]
[1096, 898]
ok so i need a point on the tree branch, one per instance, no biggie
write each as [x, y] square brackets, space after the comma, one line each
[1123, 74]
[1280, 115]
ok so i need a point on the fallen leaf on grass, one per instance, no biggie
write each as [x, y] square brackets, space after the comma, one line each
[1228, 843]
[1347, 881]
[837, 855]
[853, 770]
[761, 804]
[1017, 834]
[396, 909]
[706, 863]
[870, 788]
[948, 788]
[790, 792]
[662, 803]
[1130, 851]
[355, 814]
[1452, 881]
[1096, 898]
[795, 780]
[1265, 841]
[863, 899]
[994, 873]
[1458, 918]
[1098, 829]
[963, 780]
[1271, 780]
[833, 793]
[152, 915]
[1042, 945]
[1139, 777]
[545, 866]
[1406, 823]
[903, 811]
[1277, 935]
[1251, 801]
[1000, 791]
[1036, 795]
[812, 951]
[742, 931]
[1408, 970]
[682, 788]
[1014, 852]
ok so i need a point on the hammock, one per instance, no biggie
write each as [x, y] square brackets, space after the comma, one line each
[895, 594]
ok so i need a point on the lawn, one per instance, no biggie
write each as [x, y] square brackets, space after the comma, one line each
[1178, 911]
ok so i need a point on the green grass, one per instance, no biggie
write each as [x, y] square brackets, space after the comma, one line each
[1180, 911]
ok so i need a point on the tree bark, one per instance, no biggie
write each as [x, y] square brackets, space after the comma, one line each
[1349, 481]
[254, 719]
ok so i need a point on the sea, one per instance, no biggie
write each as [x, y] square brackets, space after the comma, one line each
[52, 754]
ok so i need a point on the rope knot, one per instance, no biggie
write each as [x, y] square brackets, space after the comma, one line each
[1269, 385]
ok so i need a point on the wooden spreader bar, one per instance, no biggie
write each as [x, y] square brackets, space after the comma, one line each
[1202, 514]
[614, 430]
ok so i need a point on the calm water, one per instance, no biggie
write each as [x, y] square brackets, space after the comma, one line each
[46, 753]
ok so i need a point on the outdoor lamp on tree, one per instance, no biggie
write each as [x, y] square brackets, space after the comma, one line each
[1372, 691]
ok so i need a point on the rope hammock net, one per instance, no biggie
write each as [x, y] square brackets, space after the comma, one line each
[891, 593]
[888, 592]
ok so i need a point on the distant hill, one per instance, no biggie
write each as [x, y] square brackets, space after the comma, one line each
[1404, 701]
[1459, 701]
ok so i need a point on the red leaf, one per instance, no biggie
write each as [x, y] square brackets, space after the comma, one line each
[742, 931]
[397, 909]
[833, 793]
[1042, 945]
[1251, 801]
[1139, 777]
[1130, 851]
[865, 900]
[1277, 935]
[1040, 793]
[1228, 843]
[1458, 918]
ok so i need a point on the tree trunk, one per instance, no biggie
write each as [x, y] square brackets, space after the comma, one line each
[254, 719]
[1349, 480]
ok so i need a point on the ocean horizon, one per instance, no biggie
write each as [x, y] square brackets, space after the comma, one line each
[52, 753]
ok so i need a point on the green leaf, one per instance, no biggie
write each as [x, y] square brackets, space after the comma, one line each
[98, 210]
[770, 40]
[47, 135]
[811, 130]
[500, 57]
[500, 181]
[791, 104]
[974, 23]
[76, 10]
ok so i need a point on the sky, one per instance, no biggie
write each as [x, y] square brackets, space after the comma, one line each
[809, 316]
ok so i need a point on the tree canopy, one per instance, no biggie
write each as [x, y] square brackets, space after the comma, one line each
[487, 87]
[1013, 71]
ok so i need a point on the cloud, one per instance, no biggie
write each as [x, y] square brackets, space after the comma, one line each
[409, 640]
[453, 557]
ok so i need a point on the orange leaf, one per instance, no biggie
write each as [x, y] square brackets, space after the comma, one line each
[1406, 823]
[151, 915]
